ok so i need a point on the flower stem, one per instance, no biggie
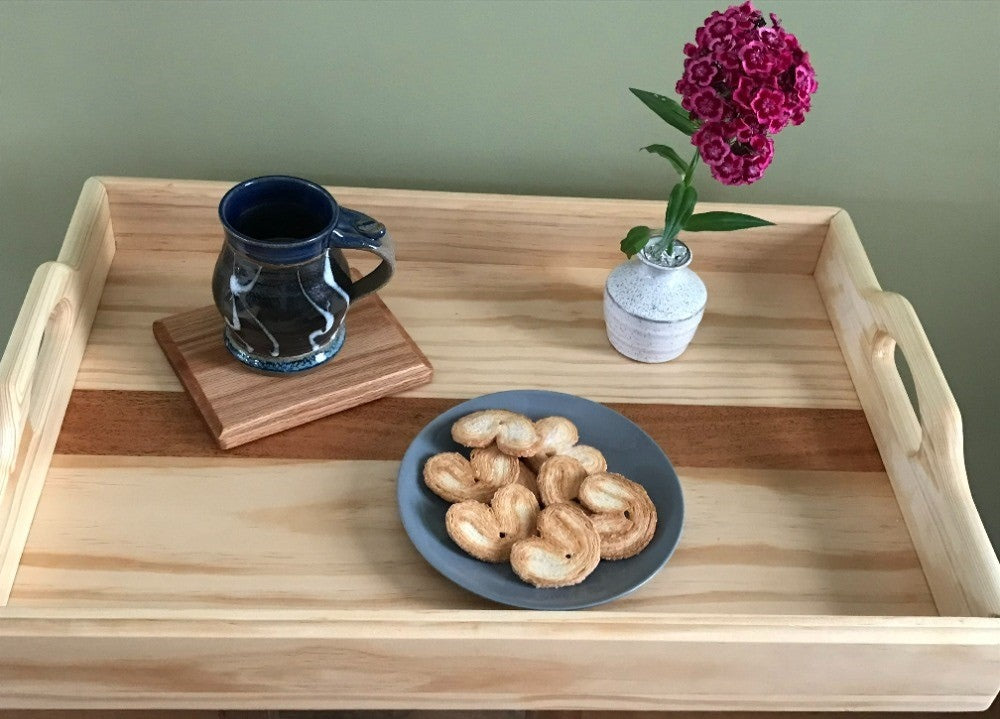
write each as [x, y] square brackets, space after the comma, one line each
[689, 175]
[666, 244]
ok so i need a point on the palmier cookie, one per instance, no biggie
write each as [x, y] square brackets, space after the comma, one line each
[513, 433]
[623, 514]
[559, 479]
[591, 459]
[527, 478]
[492, 465]
[487, 532]
[555, 434]
[455, 479]
[566, 551]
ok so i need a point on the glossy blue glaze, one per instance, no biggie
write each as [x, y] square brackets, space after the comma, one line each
[303, 220]
[281, 281]
[313, 359]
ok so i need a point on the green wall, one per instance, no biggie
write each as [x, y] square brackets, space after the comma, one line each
[523, 97]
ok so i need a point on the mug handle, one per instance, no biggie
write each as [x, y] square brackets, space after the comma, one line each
[357, 231]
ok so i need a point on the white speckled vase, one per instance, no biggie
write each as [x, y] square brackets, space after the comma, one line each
[653, 307]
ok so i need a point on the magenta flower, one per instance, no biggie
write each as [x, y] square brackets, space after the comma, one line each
[729, 171]
[744, 15]
[771, 37]
[707, 104]
[768, 105]
[742, 130]
[715, 150]
[702, 38]
[762, 145]
[743, 80]
[753, 170]
[701, 72]
[726, 57]
[745, 92]
[720, 26]
[805, 77]
[757, 60]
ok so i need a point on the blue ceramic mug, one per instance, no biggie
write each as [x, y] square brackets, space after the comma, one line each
[281, 281]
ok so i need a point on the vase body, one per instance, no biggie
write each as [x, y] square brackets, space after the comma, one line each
[652, 305]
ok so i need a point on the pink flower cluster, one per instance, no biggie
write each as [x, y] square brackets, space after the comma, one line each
[743, 81]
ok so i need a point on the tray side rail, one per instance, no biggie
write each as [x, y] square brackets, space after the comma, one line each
[39, 367]
[921, 448]
[301, 659]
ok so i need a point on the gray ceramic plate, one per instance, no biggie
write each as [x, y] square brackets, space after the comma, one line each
[629, 451]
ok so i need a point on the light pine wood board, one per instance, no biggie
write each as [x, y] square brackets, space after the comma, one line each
[182, 215]
[458, 714]
[765, 339]
[229, 532]
[306, 659]
[240, 405]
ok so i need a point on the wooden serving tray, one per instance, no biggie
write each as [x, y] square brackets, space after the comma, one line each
[832, 556]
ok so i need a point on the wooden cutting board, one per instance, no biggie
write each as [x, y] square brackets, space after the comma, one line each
[240, 405]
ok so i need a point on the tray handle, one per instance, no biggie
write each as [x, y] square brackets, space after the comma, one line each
[30, 367]
[931, 436]
[934, 428]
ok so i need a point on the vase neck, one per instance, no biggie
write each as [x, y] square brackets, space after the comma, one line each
[655, 255]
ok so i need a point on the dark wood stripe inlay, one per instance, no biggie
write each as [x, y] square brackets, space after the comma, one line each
[132, 423]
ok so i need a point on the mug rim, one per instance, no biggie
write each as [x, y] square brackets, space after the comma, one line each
[270, 245]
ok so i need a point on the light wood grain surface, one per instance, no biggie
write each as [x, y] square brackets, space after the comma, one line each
[251, 532]
[434, 659]
[162, 572]
[765, 339]
[448, 714]
[182, 215]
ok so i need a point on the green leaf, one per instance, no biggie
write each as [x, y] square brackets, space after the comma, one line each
[671, 219]
[668, 109]
[681, 205]
[670, 154]
[722, 222]
[688, 203]
[635, 240]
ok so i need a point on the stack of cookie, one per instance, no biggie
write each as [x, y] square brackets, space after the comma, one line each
[530, 494]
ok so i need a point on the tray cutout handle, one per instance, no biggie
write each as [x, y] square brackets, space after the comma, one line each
[933, 429]
[31, 366]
